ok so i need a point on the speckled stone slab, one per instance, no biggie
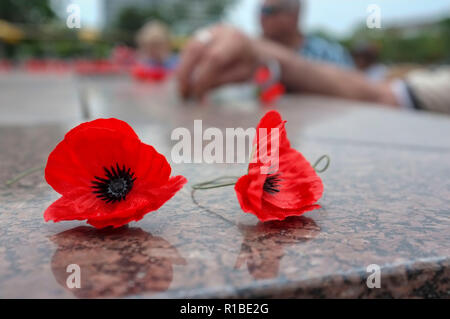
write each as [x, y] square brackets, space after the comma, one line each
[28, 98]
[386, 202]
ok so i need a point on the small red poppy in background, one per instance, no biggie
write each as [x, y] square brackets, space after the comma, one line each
[291, 190]
[123, 56]
[96, 66]
[107, 176]
[149, 73]
[5, 65]
[268, 90]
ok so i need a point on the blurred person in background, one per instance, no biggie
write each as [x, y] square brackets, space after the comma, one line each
[280, 23]
[222, 54]
[366, 58]
[155, 47]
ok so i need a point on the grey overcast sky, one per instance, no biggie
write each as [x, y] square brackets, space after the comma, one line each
[338, 16]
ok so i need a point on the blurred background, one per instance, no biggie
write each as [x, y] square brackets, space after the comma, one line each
[34, 34]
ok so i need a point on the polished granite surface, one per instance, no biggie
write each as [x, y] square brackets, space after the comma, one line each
[35, 98]
[386, 202]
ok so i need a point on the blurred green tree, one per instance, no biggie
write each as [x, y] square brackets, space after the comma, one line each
[426, 43]
[25, 11]
[182, 15]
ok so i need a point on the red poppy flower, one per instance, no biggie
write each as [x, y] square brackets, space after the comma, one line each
[272, 93]
[268, 91]
[149, 73]
[100, 66]
[107, 175]
[262, 75]
[290, 190]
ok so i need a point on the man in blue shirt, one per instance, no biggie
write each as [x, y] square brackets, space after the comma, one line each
[280, 23]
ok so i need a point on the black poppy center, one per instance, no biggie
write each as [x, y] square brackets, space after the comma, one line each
[272, 184]
[115, 186]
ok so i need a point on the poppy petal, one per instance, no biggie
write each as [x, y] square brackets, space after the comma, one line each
[113, 124]
[100, 214]
[64, 173]
[241, 188]
[152, 167]
[249, 194]
[84, 152]
[272, 119]
[280, 184]
[107, 175]
[299, 183]
[152, 201]
[62, 209]
[97, 148]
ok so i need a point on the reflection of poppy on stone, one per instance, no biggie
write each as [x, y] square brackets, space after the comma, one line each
[263, 245]
[115, 262]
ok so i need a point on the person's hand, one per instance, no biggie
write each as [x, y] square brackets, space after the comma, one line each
[213, 57]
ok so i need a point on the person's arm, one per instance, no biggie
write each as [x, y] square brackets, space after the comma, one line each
[302, 75]
[226, 55]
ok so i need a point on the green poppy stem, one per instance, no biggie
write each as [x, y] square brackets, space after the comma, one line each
[208, 210]
[320, 160]
[214, 183]
[25, 173]
[204, 185]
